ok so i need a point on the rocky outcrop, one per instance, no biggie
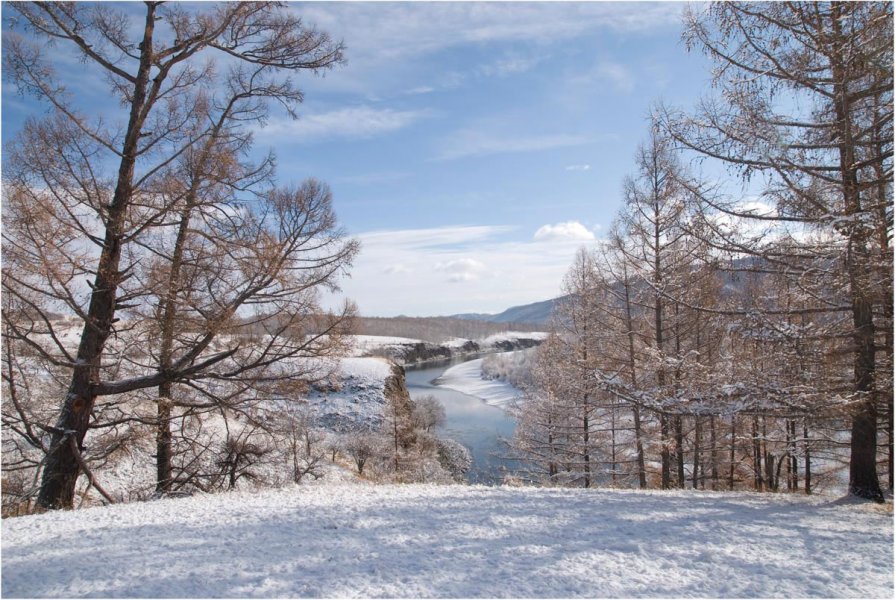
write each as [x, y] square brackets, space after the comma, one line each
[359, 394]
[424, 352]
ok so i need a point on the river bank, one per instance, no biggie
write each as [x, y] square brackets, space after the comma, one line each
[472, 417]
[410, 352]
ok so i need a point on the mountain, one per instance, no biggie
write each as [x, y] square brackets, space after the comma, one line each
[537, 312]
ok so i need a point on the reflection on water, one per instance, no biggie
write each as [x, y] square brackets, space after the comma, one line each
[470, 421]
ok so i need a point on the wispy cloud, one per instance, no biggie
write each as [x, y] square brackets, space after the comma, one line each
[469, 142]
[462, 268]
[564, 232]
[397, 269]
[508, 65]
[437, 237]
[419, 90]
[350, 122]
[618, 76]
[372, 178]
[387, 37]
[577, 167]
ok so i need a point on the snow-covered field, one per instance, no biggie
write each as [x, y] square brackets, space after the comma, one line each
[455, 541]
[467, 379]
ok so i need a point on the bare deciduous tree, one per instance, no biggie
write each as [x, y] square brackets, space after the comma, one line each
[88, 189]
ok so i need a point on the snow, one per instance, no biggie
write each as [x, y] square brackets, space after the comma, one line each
[374, 370]
[366, 344]
[511, 336]
[467, 378]
[356, 396]
[455, 541]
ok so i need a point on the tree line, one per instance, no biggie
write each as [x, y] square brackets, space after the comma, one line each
[735, 328]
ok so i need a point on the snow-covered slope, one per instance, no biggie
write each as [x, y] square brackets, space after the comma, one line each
[409, 351]
[467, 378]
[454, 541]
[356, 397]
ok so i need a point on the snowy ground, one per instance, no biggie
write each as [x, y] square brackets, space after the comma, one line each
[455, 541]
[467, 379]
[358, 398]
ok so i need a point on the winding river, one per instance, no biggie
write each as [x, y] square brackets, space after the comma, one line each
[469, 420]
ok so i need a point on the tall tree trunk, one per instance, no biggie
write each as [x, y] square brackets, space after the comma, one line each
[733, 447]
[807, 458]
[713, 425]
[632, 365]
[679, 452]
[61, 469]
[666, 457]
[756, 456]
[863, 479]
[696, 441]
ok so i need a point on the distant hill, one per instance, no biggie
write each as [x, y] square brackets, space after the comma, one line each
[535, 313]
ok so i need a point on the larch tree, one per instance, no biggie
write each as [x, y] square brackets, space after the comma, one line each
[95, 183]
[805, 117]
[660, 253]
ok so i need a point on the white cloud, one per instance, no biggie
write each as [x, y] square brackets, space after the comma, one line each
[508, 65]
[372, 178]
[351, 122]
[564, 232]
[423, 89]
[422, 239]
[397, 269]
[578, 168]
[470, 142]
[461, 268]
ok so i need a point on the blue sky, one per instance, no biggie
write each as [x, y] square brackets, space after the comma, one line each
[473, 147]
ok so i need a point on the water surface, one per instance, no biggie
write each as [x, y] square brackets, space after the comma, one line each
[478, 426]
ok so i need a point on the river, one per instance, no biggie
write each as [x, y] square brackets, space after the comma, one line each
[469, 420]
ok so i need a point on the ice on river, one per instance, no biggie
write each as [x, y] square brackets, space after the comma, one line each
[467, 379]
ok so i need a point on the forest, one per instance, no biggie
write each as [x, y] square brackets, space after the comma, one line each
[735, 329]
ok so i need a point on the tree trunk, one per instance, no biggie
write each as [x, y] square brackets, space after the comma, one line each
[696, 442]
[807, 459]
[863, 479]
[632, 365]
[666, 458]
[714, 452]
[61, 469]
[733, 446]
[163, 450]
[679, 452]
[756, 456]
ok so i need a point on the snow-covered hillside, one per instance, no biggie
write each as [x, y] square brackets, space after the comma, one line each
[355, 397]
[411, 351]
[467, 378]
[455, 541]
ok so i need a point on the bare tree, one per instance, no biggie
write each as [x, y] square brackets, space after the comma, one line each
[60, 164]
[362, 446]
[427, 413]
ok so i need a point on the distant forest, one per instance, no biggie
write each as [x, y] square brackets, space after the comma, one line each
[435, 329]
